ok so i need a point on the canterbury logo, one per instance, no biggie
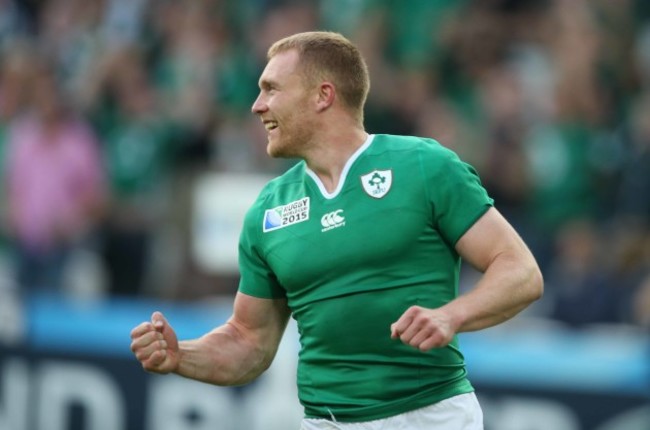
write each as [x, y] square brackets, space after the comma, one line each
[332, 220]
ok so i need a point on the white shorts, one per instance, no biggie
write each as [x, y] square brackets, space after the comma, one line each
[461, 412]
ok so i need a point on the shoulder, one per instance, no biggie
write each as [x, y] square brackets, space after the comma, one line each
[413, 148]
[392, 142]
[22, 124]
[81, 127]
[276, 191]
[281, 184]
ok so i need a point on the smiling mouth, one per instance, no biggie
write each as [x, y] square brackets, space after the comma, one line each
[270, 125]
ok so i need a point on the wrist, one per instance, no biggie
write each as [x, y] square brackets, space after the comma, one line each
[456, 315]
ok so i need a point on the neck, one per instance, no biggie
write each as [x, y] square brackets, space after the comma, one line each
[328, 156]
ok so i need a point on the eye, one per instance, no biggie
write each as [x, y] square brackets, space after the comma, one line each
[268, 87]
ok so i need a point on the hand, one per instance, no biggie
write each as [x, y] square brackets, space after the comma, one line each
[423, 328]
[155, 345]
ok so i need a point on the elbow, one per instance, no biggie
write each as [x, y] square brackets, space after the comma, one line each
[265, 364]
[535, 284]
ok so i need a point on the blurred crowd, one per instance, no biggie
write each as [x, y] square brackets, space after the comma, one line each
[110, 110]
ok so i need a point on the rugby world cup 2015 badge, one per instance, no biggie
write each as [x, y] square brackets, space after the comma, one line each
[286, 215]
[377, 183]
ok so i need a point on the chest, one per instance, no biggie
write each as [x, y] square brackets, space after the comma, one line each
[311, 238]
[51, 166]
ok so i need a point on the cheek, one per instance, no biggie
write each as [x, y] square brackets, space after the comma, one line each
[300, 126]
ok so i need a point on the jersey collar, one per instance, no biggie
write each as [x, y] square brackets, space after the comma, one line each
[344, 173]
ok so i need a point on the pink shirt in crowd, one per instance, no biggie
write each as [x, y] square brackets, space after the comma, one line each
[53, 180]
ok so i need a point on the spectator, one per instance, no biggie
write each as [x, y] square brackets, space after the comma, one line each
[137, 153]
[55, 181]
[635, 180]
[14, 69]
[580, 290]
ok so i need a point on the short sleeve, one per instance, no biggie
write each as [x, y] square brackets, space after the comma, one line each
[457, 196]
[256, 277]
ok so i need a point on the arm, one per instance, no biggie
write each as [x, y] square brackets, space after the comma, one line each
[511, 281]
[511, 278]
[232, 354]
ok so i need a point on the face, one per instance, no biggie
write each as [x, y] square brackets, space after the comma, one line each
[283, 106]
[46, 97]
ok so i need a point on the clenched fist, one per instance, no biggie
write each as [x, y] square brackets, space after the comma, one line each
[423, 328]
[155, 345]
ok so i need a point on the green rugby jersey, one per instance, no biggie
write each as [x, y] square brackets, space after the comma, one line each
[351, 262]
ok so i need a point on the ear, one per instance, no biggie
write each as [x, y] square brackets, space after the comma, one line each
[326, 96]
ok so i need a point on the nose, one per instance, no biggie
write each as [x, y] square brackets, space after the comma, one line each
[259, 105]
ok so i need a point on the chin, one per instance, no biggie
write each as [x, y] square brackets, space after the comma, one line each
[274, 151]
[277, 149]
[284, 148]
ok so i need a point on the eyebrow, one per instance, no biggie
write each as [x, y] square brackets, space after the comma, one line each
[266, 84]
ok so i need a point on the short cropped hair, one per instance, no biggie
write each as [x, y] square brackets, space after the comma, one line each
[330, 56]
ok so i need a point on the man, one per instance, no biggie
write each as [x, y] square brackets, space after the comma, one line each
[55, 183]
[361, 243]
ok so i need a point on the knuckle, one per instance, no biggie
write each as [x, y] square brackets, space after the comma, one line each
[415, 309]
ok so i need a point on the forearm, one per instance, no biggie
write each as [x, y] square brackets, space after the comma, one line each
[223, 357]
[506, 288]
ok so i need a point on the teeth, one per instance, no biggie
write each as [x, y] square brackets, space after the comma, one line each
[270, 125]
